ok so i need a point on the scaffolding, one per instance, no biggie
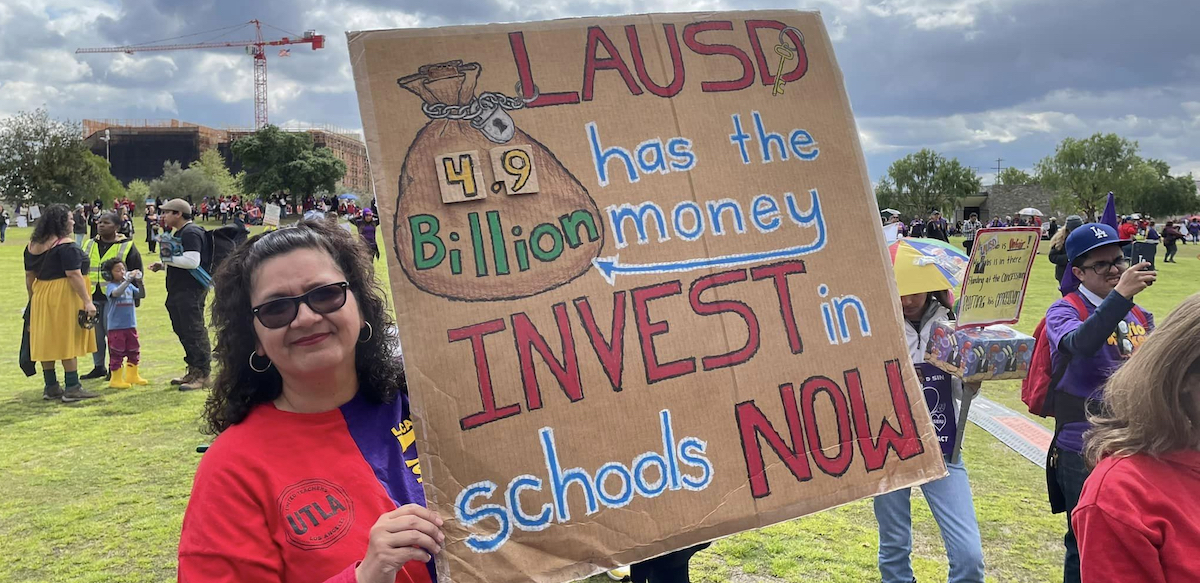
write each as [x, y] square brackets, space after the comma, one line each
[209, 137]
[138, 147]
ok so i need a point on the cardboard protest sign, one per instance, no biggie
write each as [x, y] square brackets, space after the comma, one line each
[640, 282]
[271, 216]
[994, 286]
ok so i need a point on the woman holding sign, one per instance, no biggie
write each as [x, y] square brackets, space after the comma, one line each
[925, 303]
[314, 473]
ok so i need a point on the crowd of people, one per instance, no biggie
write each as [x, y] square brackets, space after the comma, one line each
[937, 227]
[231, 208]
[1125, 397]
[224, 209]
[1174, 232]
[303, 351]
[96, 250]
[313, 369]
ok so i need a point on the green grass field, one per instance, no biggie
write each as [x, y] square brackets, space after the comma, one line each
[95, 491]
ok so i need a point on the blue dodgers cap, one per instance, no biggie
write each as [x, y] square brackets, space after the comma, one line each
[1088, 237]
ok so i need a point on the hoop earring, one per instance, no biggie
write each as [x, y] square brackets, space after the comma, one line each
[264, 369]
[370, 333]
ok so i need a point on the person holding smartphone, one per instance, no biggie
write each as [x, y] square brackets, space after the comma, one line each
[1087, 346]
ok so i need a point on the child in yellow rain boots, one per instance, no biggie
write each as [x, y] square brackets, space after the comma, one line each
[123, 347]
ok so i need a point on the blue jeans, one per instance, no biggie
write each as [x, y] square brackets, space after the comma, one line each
[1070, 472]
[954, 510]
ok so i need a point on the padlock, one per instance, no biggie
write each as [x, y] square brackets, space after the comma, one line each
[495, 124]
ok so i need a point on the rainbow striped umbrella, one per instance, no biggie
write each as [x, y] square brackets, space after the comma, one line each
[924, 265]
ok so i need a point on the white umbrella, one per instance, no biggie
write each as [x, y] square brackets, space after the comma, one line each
[890, 212]
[1030, 212]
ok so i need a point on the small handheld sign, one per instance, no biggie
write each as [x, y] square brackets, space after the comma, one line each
[993, 292]
[993, 289]
[271, 217]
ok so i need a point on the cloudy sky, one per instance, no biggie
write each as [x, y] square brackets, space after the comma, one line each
[974, 79]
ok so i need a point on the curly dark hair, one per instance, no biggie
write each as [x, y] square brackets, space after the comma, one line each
[52, 224]
[237, 388]
[106, 268]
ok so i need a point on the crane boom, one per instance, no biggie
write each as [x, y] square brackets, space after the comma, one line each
[221, 45]
[317, 41]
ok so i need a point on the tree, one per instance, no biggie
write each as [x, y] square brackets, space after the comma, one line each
[279, 161]
[926, 180]
[104, 185]
[1082, 172]
[1159, 194]
[44, 161]
[1014, 177]
[212, 164]
[191, 184]
[138, 190]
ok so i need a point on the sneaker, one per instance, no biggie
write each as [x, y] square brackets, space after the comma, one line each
[187, 378]
[196, 384]
[95, 374]
[52, 393]
[76, 393]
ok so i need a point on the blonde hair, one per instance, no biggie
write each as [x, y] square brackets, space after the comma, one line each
[1150, 403]
[1059, 240]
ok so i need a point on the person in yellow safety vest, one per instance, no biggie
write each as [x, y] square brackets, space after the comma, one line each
[107, 244]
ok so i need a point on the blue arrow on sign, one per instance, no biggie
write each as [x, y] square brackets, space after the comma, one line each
[610, 267]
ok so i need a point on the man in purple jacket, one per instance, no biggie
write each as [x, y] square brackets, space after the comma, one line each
[1088, 350]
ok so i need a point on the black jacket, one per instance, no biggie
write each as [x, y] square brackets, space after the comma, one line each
[1059, 258]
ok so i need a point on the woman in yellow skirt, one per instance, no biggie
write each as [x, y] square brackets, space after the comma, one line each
[54, 278]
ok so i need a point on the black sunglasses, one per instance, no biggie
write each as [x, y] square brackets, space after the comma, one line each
[280, 312]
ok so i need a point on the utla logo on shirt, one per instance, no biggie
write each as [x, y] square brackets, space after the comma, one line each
[318, 513]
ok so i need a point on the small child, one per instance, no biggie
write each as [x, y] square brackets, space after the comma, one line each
[122, 324]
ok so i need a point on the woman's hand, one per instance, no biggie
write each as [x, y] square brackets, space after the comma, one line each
[409, 533]
[90, 308]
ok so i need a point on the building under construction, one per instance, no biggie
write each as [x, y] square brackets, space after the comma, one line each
[137, 149]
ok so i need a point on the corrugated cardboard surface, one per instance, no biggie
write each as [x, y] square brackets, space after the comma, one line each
[445, 319]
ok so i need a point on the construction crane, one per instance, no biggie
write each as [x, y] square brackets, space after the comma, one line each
[257, 49]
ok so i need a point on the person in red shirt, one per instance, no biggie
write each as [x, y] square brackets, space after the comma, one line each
[314, 474]
[1137, 518]
[1127, 230]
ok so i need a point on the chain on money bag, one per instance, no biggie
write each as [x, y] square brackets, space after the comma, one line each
[486, 212]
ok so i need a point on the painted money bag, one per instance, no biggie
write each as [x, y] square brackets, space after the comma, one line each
[486, 212]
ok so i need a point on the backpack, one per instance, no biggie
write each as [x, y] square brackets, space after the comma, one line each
[1039, 385]
[218, 244]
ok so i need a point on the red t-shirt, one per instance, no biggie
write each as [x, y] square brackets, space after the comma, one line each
[1127, 231]
[292, 497]
[1139, 520]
